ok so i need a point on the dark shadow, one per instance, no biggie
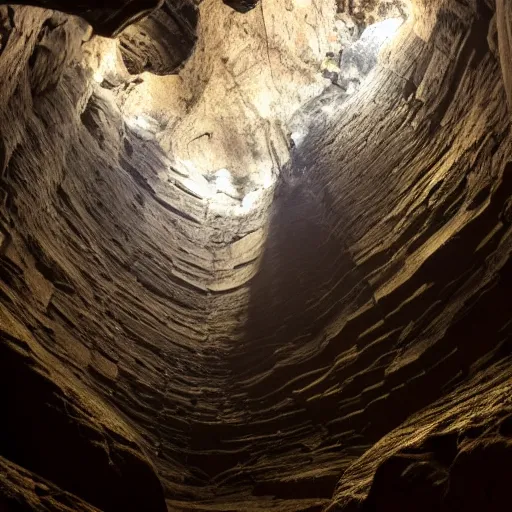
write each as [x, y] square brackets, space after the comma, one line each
[107, 17]
[40, 433]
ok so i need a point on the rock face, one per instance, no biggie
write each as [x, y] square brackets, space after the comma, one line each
[367, 12]
[503, 21]
[107, 18]
[163, 41]
[264, 65]
[339, 340]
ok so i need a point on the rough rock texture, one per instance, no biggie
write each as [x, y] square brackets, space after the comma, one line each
[264, 65]
[503, 22]
[20, 488]
[163, 41]
[367, 12]
[107, 17]
[339, 342]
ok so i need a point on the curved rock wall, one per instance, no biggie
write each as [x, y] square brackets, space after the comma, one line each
[107, 18]
[342, 345]
[163, 41]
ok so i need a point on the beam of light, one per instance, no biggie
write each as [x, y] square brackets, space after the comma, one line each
[224, 183]
[263, 103]
[107, 64]
[198, 188]
[298, 138]
[268, 180]
[250, 200]
[139, 122]
[383, 30]
[98, 77]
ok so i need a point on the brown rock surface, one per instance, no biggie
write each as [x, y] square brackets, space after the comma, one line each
[336, 339]
[163, 41]
[107, 17]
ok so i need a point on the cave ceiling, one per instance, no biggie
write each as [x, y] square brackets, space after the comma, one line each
[256, 256]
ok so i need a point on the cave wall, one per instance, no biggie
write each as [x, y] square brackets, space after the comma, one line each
[346, 347]
[87, 296]
[107, 18]
[163, 41]
[503, 23]
[264, 64]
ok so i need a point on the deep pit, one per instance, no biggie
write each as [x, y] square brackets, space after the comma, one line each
[255, 256]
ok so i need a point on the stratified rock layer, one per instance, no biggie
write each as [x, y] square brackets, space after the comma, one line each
[107, 17]
[344, 346]
[163, 41]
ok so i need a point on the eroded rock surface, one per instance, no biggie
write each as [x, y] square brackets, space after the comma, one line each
[108, 18]
[340, 340]
[163, 41]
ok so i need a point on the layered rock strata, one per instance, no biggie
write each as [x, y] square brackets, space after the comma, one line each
[339, 342]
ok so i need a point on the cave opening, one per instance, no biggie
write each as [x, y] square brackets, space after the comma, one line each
[255, 255]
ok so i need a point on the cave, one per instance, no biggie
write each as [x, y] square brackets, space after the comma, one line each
[255, 255]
